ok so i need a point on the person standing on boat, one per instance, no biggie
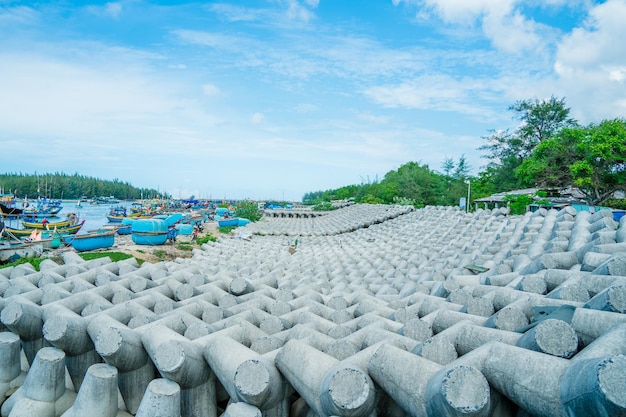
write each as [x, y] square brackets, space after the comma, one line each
[44, 223]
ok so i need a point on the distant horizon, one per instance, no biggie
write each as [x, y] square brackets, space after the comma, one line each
[271, 99]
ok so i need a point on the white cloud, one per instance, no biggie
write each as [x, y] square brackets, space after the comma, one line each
[596, 55]
[19, 15]
[434, 92]
[113, 9]
[500, 20]
[257, 118]
[296, 11]
[210, 90]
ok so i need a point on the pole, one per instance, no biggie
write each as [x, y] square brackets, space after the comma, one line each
[469, 187]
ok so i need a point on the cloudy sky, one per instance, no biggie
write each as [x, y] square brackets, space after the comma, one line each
[270, 99]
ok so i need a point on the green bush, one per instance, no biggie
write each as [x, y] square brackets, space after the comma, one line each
[248, 210]
[206, 238]
[518, 203]
[324, 206]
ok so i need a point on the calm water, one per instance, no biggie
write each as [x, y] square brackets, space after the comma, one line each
[94, 215]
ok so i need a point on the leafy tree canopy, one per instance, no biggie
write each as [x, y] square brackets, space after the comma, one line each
[592, 158]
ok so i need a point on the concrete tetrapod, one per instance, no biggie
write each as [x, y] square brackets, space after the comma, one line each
[11, 376]
[547, 386]
[329, 387]
[98, 394]
[424, 388]
[121, 347]
[25, 318]
[245, 375]
[181, 360]
[162, 399]
[43, 393]
[67, 331]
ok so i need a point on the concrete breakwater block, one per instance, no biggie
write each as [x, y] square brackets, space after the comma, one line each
[382, 310]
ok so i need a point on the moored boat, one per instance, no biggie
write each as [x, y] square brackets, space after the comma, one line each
[72, 220]
[70, 230]
[149, 231]
[99, 239]
[15, 252]
[10, 211]
[227, 222]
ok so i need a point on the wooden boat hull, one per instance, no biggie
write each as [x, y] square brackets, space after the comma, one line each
[50, 225]
[93, 241]
[14, 253]
[10, 211]
[71, 230]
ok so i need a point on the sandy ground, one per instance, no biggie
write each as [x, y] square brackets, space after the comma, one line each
[153, 254]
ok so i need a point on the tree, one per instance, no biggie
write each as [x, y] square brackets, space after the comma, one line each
[506, 150]
[248, 210]
[593, 158]
[462, 169]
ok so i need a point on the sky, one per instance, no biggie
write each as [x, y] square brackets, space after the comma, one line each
[272, 99]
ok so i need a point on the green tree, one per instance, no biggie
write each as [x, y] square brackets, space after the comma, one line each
[506, 150]
[248, 210]
[593, 158]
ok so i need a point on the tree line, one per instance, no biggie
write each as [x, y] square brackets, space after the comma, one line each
[548, 150]
[64, 186]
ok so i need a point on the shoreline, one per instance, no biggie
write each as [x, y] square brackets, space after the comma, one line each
[148, 253]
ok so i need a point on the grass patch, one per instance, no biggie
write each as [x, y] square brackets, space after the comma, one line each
[226, 229]
[184, 246]
[88, 256]
[115, 256]
[159, 253]
[204, 239]
[33, 261]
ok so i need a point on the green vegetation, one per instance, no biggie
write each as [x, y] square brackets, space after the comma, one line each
[204, 239]
[160, 254]
[115, 256]
[60, 185]
[592, 158]
[324, 206]
[248, 210]
[412, 184]
[186, 246]
[226, 229]
[549, 149]
[88, 256]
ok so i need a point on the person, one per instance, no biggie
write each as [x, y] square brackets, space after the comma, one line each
[44, 223]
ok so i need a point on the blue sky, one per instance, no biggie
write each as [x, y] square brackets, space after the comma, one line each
[270, 99]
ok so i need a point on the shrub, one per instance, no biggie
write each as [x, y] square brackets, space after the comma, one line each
[248, 210]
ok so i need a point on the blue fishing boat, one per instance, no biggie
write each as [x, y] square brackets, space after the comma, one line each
[99, 239]
[149, 231]
[230, 221]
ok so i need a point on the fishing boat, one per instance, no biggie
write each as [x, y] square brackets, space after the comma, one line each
[44, 207]
[10, 211]
[149, 232]
[13, 252]
[117, 214]
[227, 222]
[99, 239]
[69, 230]
[72, 220]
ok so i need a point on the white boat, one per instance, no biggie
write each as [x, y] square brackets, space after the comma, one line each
[13, 252]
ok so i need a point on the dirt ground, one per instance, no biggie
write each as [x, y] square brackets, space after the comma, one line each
[169, 251]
